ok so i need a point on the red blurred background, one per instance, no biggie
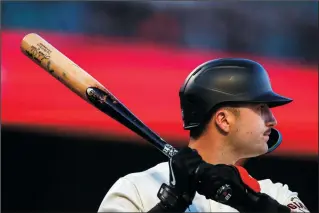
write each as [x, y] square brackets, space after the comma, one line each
[146, 78]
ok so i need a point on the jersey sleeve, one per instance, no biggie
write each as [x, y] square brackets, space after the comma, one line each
[284, 196]
[123, 196]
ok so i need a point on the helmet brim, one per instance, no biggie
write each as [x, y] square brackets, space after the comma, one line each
[272, 99]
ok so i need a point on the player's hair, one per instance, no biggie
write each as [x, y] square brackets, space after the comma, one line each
[198, 131]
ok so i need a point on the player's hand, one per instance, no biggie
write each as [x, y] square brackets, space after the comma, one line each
[182, 168]
[245, 195]
[182, 180]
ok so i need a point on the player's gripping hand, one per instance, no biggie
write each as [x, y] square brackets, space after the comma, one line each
[245, 195]
[180, 192]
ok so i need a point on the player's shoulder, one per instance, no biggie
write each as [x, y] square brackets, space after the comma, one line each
[269, 185]
[136, 191]
[143, 181]
[159, 173]
[277, 190]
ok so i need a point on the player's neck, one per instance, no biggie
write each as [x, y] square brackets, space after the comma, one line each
[214, 152]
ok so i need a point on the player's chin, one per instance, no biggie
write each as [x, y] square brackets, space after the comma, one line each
[258, 150]
[263, 149]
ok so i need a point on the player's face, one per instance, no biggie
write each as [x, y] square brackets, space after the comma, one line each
[250, 130]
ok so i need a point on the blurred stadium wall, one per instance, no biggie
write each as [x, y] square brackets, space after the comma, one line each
[60, 154]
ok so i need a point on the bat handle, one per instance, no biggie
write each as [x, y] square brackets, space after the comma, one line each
[159, 143]
[109, 104]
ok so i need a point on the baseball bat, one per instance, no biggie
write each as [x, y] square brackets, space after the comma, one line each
[88, 88]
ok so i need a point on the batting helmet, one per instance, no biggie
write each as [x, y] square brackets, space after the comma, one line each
[223, 81]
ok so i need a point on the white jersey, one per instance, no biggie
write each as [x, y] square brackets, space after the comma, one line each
[137, 192]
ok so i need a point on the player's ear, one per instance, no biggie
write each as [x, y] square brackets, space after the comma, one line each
[222, 120]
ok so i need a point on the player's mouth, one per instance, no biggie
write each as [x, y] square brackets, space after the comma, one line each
[267, 133]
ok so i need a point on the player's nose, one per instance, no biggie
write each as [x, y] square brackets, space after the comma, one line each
[270, 119]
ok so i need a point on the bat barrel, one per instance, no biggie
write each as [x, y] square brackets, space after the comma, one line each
[58, 65]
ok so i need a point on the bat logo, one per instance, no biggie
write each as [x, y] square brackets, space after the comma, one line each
[95, 96]
[49, 67]
[169, 150]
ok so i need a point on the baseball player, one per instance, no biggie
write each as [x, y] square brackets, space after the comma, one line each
[226, 105]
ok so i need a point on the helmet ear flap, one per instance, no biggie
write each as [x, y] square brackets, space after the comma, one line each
[274, 141]
[192, 117]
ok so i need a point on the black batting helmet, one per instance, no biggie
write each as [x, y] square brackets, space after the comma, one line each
[227, 80]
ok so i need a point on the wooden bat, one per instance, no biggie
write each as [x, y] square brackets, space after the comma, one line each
[88, 88]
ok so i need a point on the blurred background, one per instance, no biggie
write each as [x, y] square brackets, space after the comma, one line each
[61, 154]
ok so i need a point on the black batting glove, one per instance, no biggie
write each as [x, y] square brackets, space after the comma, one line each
[180, 192]
[233, 186]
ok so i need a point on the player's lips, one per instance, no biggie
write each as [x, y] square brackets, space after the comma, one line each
[267, 133]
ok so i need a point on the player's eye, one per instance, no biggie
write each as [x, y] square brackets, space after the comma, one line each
[261, 107]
